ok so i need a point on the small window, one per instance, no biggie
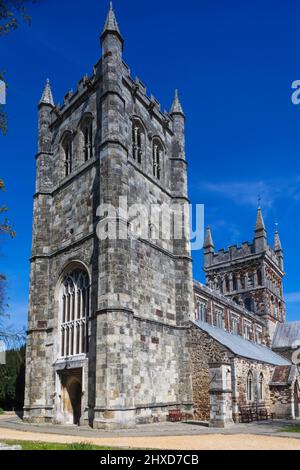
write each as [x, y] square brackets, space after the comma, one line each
[138, 141]
[261, 387]
[201, 311]
[250, 386]
[247, 331]
[158, 154]
[219, 318]
[259, 335]
[68, 154]
[234, 325]
[87, 131]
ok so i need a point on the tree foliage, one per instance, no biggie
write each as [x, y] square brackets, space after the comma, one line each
[12, 380]
[5, 226]
[11, 12]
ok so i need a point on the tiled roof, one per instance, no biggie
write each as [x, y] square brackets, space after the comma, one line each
[286, 334]
[243, 348]
[281, 374]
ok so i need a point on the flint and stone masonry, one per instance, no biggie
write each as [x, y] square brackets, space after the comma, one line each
[119, 334]
[134, 365]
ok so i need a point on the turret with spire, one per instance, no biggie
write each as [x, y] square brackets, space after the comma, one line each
[178, 117]
[278, 249]
[176, 106]
[112, 44]
[45, 107]
[260, 234]
[111, 29]
[209, 247]
[47, 97]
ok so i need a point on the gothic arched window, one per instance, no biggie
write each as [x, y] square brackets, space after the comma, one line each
[138, 141]
[87, 132]
[67, 146]
[261, 387]
[250, 386]
[157, 157]
[74, 302]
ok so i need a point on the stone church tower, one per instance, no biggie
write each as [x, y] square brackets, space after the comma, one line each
[251, 275]
[108, 317]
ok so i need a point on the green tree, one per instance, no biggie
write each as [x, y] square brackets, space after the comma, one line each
[12, 380]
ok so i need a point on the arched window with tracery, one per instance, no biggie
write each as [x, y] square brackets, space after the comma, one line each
[87, 133]
[250, 386]
[157, 157]
[138, 141]
[67, 146]
[74, 304]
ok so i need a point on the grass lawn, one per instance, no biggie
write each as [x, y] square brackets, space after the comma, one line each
[291, 429]
[28, 445]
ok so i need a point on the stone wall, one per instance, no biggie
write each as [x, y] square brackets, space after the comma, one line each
[141, 293]
[241, 369]
[281, 400]
[203, 350]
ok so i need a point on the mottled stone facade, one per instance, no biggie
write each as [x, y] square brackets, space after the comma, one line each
[114, 351]
[225, 382]
[112, 339]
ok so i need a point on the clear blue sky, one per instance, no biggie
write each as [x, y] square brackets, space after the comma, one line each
[233, 62]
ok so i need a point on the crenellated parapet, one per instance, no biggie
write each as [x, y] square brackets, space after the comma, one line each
[250, 274]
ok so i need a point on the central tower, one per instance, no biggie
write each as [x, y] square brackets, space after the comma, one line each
[108, 316]
[251, 274]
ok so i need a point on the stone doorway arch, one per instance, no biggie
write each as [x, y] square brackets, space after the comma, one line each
[71, 396]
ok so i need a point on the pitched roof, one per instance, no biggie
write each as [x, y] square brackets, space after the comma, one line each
[241, 347]
[281, 374]
[286, 334]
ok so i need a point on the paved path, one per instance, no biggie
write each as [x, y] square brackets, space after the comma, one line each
[200, 442]
[179, 436]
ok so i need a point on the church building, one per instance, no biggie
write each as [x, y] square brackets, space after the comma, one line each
[119, 333]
